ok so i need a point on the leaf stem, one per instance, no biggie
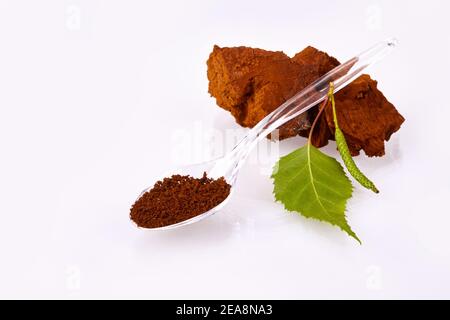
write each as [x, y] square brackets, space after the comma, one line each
[321, 108]
[333, 104]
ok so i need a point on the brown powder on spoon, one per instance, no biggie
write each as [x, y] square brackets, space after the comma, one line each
[178, 198]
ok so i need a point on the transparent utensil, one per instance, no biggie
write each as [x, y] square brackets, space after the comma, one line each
[228, 166]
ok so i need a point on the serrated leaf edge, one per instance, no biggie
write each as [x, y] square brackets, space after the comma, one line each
[332, 221]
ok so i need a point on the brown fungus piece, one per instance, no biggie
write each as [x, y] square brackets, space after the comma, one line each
[250, 83]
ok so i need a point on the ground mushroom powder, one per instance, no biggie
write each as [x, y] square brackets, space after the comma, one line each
[178, 198]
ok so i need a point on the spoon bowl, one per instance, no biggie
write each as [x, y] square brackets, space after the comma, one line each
[215, 169]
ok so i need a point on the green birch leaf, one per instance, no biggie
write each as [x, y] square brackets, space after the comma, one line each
[315, 185]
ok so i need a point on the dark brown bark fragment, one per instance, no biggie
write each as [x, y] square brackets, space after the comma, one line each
[250, 83]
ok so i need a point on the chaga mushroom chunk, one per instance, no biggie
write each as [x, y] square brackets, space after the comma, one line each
[365, 116]
[250, 83]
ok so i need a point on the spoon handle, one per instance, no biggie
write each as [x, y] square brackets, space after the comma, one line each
[312, 95]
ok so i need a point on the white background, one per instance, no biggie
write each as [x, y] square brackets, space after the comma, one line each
[93, 98]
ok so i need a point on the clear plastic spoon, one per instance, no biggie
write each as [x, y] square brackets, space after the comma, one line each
[229, 165]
